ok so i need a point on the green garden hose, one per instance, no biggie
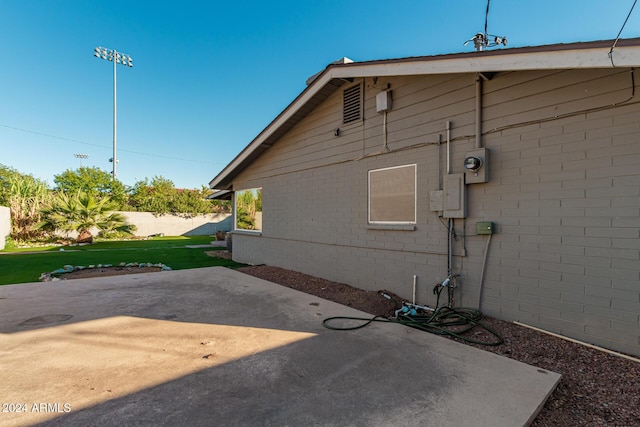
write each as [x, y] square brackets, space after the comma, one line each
[453, 322]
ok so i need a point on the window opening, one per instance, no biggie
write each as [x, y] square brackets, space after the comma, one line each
[248, 212]
[392, 195]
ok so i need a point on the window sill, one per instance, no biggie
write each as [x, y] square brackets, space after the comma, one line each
[247, 232]
[397, 227]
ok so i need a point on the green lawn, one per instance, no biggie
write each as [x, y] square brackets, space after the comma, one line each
[26, 265]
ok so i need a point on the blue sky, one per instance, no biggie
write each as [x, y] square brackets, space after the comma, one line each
[208, 76]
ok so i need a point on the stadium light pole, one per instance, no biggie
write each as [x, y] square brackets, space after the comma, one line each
[81, 156]
[117, 58]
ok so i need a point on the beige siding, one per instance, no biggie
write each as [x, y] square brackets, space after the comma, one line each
[564, 194]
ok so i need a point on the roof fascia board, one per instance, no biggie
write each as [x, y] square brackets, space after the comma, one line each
[490, 61]
[549, 60]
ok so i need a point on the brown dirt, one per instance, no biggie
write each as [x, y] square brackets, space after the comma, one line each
[596, 389]
[219, 254]
[107, 271]
[367, 301]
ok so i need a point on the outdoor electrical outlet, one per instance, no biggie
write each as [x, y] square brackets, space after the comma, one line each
[485, 227]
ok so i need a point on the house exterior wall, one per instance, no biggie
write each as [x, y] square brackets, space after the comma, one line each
[564, 194]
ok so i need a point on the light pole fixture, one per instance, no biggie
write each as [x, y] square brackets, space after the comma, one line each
[81, 156]
[117, 58]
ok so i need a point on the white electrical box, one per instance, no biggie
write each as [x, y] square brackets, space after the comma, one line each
[383, 101]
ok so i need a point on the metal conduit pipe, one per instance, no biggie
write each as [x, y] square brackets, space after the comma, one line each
[484, 266]
[450, 247]
[448, 128]
[384, 133]
[479, 79]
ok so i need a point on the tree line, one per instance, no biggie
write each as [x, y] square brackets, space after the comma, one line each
[37, 210]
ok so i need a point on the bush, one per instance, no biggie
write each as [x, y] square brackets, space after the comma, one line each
[9, 243]
[25, 196]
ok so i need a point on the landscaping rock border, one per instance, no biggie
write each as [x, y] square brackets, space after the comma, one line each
[58, 274]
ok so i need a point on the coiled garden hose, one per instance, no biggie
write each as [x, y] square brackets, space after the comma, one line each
[453, 322]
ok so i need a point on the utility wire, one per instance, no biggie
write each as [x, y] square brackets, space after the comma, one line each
[619, 32]
[104, 146]
[486, 19]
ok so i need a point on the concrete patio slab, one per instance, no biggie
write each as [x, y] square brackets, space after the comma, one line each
[213, 346]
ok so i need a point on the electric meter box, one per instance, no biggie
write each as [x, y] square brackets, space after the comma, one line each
[484, 227]
[476, 166]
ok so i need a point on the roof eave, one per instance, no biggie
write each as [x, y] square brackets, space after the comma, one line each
[551, 57]
[596, 57]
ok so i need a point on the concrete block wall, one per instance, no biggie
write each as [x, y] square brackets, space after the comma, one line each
[567, 206]
[316, 222]
[170, 225]
[5, 224]
[148, 224]
[564, 194]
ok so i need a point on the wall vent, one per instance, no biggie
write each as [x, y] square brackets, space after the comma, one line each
[352, 104]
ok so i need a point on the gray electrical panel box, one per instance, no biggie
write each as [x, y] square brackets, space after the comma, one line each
[436, 200]
[455, 196]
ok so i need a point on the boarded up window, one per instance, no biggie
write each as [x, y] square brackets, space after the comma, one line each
[351, 107]
[392, 195]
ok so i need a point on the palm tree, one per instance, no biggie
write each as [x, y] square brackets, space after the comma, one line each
[81, 213]
[25, 197]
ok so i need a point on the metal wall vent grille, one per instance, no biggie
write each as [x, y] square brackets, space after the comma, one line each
[351, 104]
